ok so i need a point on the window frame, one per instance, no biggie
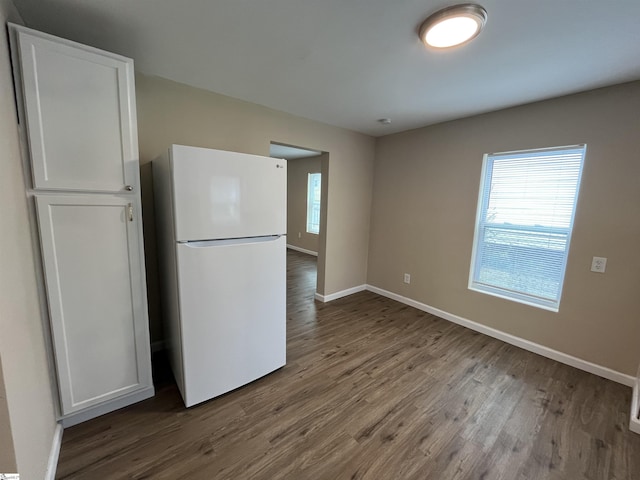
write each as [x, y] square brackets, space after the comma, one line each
[482, 206]
[311, 202]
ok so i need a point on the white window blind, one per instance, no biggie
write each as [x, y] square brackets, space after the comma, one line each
[313, 203]
[524, 222]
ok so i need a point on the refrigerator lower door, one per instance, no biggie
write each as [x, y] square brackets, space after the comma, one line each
[232, 313]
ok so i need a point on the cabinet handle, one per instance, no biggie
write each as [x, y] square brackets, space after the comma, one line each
[130, 209]
[128, 188]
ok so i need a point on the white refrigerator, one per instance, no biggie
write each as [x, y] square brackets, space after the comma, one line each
[221, 223]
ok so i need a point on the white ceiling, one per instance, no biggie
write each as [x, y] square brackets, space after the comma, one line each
[351, 62]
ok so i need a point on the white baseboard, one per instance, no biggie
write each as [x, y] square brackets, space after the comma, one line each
[110, 406]
[52, 464]
[513, 340]
[303, 250]
[634, 421]
[340, 294]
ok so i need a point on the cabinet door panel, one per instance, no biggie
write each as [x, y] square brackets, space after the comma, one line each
[80, 115]
[92, 272]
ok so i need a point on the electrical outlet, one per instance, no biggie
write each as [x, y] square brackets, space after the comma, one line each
[598, 264]
[299, 235]
[407, 278]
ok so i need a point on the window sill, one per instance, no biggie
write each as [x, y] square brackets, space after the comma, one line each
[494, 292]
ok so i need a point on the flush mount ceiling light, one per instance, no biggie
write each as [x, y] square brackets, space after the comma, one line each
[453, 26]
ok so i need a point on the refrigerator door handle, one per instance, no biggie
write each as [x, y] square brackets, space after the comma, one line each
[229, 241]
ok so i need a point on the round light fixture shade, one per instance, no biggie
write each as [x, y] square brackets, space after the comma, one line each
[453, 26]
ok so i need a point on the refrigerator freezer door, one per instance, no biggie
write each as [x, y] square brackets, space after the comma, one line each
[233, 313]
[219, 194]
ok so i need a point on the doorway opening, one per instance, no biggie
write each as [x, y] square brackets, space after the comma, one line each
[307, 188]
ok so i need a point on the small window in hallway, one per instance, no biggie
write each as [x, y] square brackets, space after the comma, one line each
[313, 203]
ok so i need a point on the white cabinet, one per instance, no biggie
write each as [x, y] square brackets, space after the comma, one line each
[80, 114]
[78, 121]
[94, 286]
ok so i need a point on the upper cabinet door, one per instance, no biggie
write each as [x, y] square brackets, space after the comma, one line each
[80, 115]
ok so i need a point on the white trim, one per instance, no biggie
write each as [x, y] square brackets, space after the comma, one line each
[303, 250]
[634, 420]
[107, 407]
[561, 357]
[340, 294]
[52, 464]
[513, 296]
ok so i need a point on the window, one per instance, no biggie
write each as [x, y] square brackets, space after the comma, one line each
[313, 203]
[523, 227]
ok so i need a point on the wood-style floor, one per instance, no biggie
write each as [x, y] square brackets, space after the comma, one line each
[373, 389]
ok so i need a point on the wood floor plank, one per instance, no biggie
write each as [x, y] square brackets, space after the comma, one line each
[372, 389]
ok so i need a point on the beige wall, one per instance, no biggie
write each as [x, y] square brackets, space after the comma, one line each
[24, 359]
[297, 180]
[170, 112]
[424, 207]
[7, 453]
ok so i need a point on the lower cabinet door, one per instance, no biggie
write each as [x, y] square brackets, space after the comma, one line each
[96, 295]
